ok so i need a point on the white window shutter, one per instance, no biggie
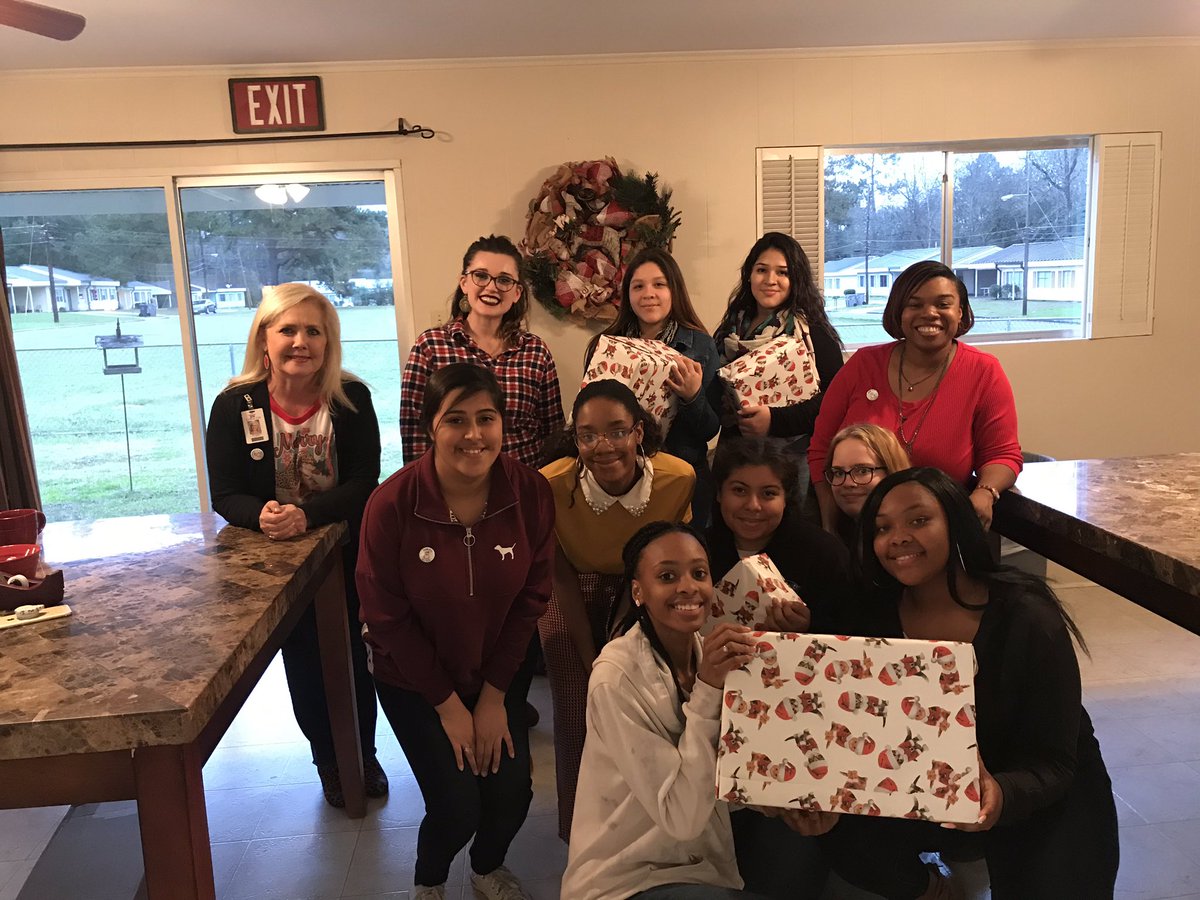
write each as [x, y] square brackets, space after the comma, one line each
[1125, 172]
[791, 198]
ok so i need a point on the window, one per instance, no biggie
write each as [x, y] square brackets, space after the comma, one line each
[1054, 237]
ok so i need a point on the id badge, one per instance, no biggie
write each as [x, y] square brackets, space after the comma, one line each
[254, 424]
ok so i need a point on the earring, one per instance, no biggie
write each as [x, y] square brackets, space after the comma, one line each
[464, 305]
[958, 547]
[641, 452]
[266, 360]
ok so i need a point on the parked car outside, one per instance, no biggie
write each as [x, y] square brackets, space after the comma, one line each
[201, 305]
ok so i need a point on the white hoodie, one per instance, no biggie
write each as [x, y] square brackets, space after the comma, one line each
[646, 810]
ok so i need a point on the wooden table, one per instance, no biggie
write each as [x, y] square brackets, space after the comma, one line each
[175, 620]
[1131, 525]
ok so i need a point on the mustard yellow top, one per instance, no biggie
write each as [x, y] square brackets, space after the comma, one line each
[593, 541]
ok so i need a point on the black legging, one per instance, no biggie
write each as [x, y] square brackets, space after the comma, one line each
[1067, 851]
[460, 805]
[302, 666]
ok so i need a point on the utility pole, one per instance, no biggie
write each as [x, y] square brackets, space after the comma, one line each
[1025, 262]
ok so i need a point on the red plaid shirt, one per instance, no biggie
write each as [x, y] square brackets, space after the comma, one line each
[527, 376]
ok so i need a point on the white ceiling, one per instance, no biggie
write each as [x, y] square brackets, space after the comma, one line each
[250, 32]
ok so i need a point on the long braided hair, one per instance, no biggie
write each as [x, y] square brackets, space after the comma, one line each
[631, 557]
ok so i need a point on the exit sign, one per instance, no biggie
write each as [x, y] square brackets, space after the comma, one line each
[276, 104]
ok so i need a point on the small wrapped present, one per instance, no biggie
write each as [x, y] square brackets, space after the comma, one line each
[642, 365]
[781, 372]
[865, 726]
[743, 595]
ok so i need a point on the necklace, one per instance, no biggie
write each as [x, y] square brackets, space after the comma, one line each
[454, 518]
[912, 385]
[908, 442]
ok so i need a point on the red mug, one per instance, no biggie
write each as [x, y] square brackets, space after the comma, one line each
[21, 526]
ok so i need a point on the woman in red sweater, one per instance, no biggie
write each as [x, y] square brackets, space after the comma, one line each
[950, 404]
[454, 570]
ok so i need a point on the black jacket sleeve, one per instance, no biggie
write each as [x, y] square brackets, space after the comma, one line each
[239, 484]
[799, 419]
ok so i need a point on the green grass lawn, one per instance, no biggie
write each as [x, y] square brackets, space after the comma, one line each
[78, 427]
[861, 325]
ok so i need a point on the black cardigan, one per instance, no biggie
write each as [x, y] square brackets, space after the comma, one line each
[1035, 737]
[811, 560]
[240, 485]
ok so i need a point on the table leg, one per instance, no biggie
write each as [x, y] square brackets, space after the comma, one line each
[338, 673]
[174, 825]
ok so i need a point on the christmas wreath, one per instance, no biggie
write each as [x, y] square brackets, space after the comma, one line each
[585, 224]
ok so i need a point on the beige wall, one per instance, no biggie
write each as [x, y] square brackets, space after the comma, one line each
[697, 121]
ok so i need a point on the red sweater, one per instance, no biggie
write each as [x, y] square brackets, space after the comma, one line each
[972, 421]
[441, 616]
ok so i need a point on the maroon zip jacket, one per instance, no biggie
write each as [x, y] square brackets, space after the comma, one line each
[443, 617]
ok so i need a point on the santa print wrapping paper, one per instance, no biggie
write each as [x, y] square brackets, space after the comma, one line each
[779, 373]
[867, 726]
[742, 596]
[643, 366]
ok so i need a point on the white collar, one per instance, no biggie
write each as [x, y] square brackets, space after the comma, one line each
[635, 500]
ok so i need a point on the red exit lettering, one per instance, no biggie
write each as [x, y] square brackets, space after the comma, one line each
[276, 104]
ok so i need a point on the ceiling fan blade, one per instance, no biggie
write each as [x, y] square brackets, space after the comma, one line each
[44, 20]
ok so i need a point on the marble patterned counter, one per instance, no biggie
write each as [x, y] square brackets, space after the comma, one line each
[167, 610]
[175, 619]
[1132, 525]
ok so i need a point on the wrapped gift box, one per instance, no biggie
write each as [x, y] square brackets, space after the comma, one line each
[743, 594]
[867, 726]
[642, 365]
[779, 373]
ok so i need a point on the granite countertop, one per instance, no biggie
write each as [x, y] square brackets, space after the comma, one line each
[1141, 511]
[168, 611]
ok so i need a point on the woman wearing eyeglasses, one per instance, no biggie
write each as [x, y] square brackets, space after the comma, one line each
[486, 327]
[860, 457]
[612, 482]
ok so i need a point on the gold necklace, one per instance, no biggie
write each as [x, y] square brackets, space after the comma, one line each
[908, 442]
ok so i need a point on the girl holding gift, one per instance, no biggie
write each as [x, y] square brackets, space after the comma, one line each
[775, 296]
[757, 483]
[456, 567]
[648, 823]
[614, 481]
[655, 306]
[859, 457]
[950, 404]
[1047, 823]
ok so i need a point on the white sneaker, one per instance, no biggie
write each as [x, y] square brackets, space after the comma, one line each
[424, 892]
[499, 884]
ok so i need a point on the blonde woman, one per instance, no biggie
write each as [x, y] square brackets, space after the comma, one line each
[293, 443]
[860, 456]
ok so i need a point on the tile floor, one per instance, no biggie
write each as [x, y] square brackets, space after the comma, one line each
[274, 837]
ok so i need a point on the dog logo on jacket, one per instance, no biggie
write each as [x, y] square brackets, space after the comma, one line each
[505, 552]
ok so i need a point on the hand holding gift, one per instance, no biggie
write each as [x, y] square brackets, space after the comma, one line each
[754, 593]
[779, 373]
[646, 367]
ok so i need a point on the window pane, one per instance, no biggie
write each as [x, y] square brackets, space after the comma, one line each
[1019, 218]
[883, 212]
[115, 439]
[332, 235]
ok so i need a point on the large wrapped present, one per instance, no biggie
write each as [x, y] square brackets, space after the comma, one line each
[744, 594]
[781, 372]
[866, 726]
[643, 366]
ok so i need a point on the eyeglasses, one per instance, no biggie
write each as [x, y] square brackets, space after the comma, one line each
[616, 438]
[504, 283]
[858, 474]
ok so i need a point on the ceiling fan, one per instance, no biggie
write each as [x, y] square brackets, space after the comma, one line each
[44, 20]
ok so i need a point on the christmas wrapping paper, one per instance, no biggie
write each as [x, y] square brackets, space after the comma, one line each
[867, 726]
[779, 373]
[643, 366]
[742, 596]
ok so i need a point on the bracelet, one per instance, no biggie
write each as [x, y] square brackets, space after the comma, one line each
[991, 490]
